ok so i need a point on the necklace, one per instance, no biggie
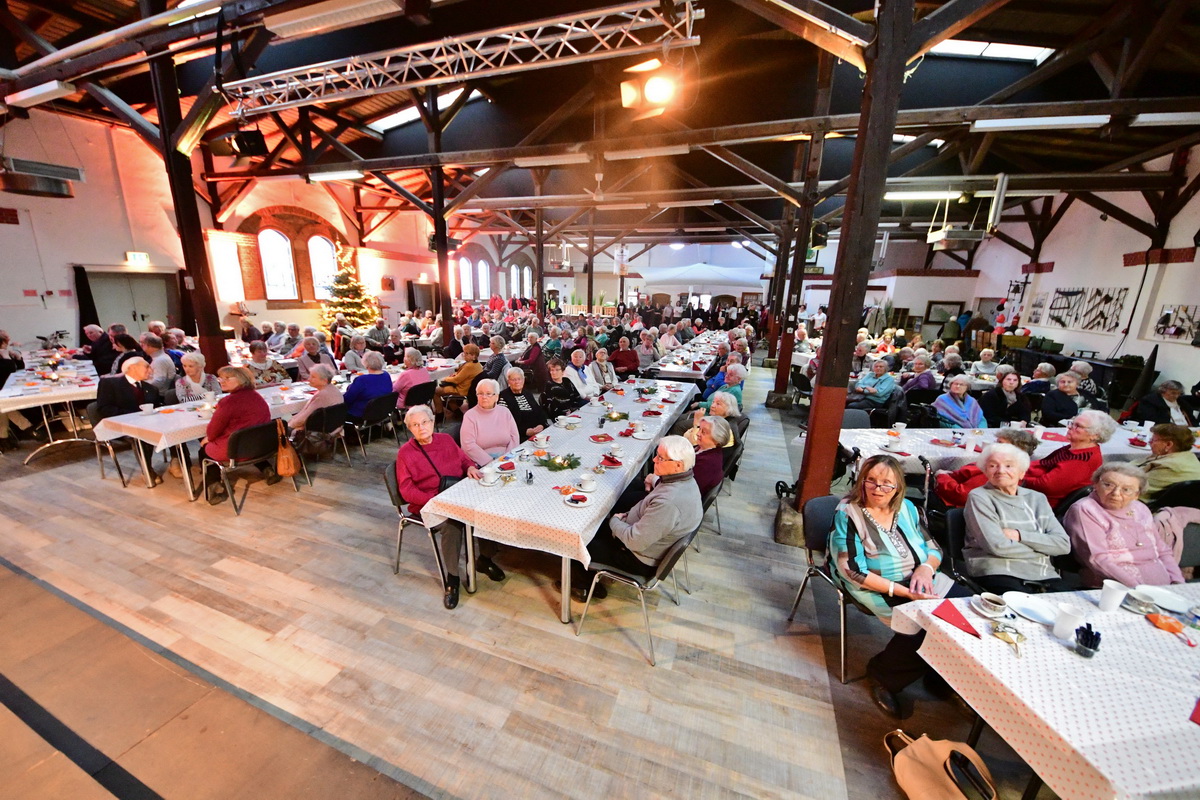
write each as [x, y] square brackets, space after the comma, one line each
[892, 533]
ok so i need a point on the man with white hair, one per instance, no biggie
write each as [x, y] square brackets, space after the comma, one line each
[126, 393]
[635, 541]
[100, 352]
[157, 327]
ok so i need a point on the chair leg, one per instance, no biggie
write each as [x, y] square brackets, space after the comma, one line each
[437, 557]
[687, 578]
[588, 604]
[120, 473]
[799, 594]
[233, 497]
[646, 617]
[361, 446]
[100, 461]
[717, 506]
[399, 541]
[304, 466]
[842, 610]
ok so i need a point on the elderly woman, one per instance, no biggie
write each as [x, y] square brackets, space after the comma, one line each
[1011, 531]
[1084, 370]
[957, 409]
[527, 413]
[559, 396]
[668, 341]
[421, 464]
[264, 369]
[312, 356]
[874, 390]
[722, 404]
[802, 345]
[353, 360]
[1172, 460]
[578, 373]
[1163, 406]
[488, 429]
[985, 365]
[365, 388]
[952, 367]
[320, 377]
[735, 375]
[393, 348]
[413, 374]
[647, 351]
[860, 362]
[1004, 402]
[1070, 467]
[460, 382]
[1065, 401]
[1042, 379]
[602, 372]
[192, 386]
[1114, 536]
[713, 436]
[242, 407]
[952, 487]
[883, 557]
[922, 376]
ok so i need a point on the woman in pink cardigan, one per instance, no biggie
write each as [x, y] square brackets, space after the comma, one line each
[488, 430]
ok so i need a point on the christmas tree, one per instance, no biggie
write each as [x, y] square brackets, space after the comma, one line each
[349, 296]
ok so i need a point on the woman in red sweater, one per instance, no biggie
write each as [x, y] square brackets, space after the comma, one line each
[953, 486]
[1069, 468]
[241, 407]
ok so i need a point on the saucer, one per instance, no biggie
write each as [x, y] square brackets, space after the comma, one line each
[977, 606]
[587, 501]
[588, 491]
[489, 485]
[643, 435]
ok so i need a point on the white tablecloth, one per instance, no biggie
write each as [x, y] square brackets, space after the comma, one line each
[918, 442]
[701, 349]
[27, 389]
[239, 353]
[536, 517]
[1114, 726]
[802, 359]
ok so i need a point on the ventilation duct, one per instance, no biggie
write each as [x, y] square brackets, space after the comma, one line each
[334, 14]
[35, 185]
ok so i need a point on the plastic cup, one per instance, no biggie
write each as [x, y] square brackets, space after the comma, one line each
[1038, 431]
[1069, 618]
[1111, 595]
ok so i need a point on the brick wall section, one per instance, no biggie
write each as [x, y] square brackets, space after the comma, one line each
[299, 225]
[1178, 255]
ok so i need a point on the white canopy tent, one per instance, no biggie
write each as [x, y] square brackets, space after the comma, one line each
[702, 278]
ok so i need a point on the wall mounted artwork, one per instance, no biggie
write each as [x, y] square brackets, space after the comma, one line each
[1037, 308]
[1177, 323]
[1097, 309]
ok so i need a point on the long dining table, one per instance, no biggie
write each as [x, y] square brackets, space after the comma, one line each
[691, 361]
[50, 378]
[535, 515]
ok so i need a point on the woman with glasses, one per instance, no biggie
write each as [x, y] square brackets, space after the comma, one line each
[1071, 467]
[883, 557]
[1066, 400]
[1011, 532]
[1114, 536]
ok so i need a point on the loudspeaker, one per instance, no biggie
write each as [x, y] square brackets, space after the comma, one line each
[422, 296]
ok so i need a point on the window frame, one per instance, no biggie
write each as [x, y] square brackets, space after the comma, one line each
[312, 265]
[466, 278]
[291, 260]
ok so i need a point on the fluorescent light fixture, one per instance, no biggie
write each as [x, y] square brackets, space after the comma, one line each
[188, 4]
[42, 93]
[647, 152]
[995, 50]
[1040, 123]
[737, 245]
[623, 206]
[410, 114]
[645, 66]
[330, 15]
[483, 171]
[746, 242]
[903, 138]
[933, 194]
[677, 245]
[1165, 118]
[552, 161]
[687, 203]
[337, 175]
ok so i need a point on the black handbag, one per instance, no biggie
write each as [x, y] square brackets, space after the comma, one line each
[446, 481]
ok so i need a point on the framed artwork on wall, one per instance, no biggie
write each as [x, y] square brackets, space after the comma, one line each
[939, 311]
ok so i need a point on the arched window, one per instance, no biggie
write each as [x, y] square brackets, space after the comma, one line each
[322, 257]
[483, 286]
[464, 279]
[527, 284]
[514, 281]
[279, 272]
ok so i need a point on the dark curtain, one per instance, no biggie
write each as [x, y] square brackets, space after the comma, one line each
[87, 304]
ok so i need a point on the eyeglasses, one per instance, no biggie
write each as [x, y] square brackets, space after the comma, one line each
[1115, 489]
[1077, 426]
[886, 487]
[657, 457]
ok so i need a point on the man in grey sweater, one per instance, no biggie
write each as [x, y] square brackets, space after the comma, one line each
[637, 540]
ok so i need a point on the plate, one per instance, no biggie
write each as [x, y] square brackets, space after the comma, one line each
[1168, 600]
[1030, 607]
[586, 501]
[643, 435]
[977, 607]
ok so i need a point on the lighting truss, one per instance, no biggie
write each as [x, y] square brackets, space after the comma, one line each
[626, 30]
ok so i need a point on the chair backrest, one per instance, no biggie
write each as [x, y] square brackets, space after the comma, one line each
[672, 556]
[741, 424]
[818, 516]
[921, 396]
[1074, 497]
[393, 485]
[454, 432]
[471, 398]
[956, 535]
[170, 397]
[1035, 400]
[327, 419]
[1184, 493]
[93, 413]
[732, 456]
[380, 408]
[420, 395]
[855, 418]
[255, 443]
[1190, 557]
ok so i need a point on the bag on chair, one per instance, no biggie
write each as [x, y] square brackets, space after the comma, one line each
[937, 769]
[287, 460]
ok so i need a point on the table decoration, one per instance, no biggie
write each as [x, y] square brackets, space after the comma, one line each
[645, 391]
[559, 463]
[616, 416]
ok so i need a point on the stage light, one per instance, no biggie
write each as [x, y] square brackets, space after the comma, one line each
[659, 90]
[649, 93]
[737, 245]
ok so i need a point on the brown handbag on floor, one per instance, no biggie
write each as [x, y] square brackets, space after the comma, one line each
[287, 460]
[937, 769]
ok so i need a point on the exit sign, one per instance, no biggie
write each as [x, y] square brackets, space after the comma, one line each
[137, 259]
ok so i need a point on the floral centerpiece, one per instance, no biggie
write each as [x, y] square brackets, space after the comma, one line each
[647, 390]
[559, 463]
[616, 415]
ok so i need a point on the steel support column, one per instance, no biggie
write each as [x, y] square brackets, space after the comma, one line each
[886, 59]
[207, 321]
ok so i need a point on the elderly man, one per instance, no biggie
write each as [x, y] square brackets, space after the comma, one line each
[289, 341]
[637, 540]
[378, 335]
[100, 352]
[527, 412]
[1042, 380]
[859, 362]
[157, 327]
[578, 373]
[162, 368]
[126, 393]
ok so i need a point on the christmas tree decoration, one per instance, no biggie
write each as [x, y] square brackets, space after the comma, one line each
[349, 296]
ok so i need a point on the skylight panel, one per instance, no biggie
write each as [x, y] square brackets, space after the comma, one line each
[996, 50]
[410, 114]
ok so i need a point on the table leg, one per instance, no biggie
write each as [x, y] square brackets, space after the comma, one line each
[564, 611]
[51, 441]
[187, 475]
[1032, 788]
[147, 467]
[976, 731]
[470, 559]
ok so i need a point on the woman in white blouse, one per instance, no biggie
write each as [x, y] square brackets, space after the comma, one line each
[578, 374]
[668, 341]
[195, 382]
[602, 371]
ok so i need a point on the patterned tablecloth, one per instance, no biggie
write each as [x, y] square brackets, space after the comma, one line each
[1114, 726]
[536, 517]
[29, 388]
[919, 442]
[700, 350]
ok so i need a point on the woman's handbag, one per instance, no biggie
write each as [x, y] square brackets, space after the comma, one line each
[446, 481]
[287, 460]
[937, 769]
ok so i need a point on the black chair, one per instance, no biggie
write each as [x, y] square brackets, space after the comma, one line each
[952, 548]
[1060, 511]
[818, 516]
[458, 402]
[642, 584]
[923, 397]
[329, 420]
[710, 501]
[419, 395]
[1184, 493]
[379, 410]
[855, 418]
[93, 415]
[409, 518]
[895, 411]
[247, 446]
[1190, 557]
[1035, 405]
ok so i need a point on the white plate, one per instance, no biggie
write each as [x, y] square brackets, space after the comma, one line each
[1168, 600]
[978, 608]
[643, 435]
[1030, 607]
[586, 501]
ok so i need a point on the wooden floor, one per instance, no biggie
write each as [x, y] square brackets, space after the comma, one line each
[294, 606]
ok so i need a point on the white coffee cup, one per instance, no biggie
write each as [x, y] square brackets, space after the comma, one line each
[147, 408]
[490, 474]
[1069, 618]
[1111, 594]
[638, 427]
[616, 449]
[542, 438]
[993, 603]
[276, 399]
[587, 482]
[210, 397]
[595, 400]
[899, 426]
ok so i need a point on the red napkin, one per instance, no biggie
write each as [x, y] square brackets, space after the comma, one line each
[1136, 442]
[600, 438]
[898, 453]
[1051, 436]
[650, 412]
[579, 498]
[978, 448]
[669, 400]
[600, 398]
[431, 369]
[626, 432]
[942, 443]
[1195, 717]
[609, 461]
[508, 465]
[631, 380]
[676, 391]
[949, 612]
[697, 364]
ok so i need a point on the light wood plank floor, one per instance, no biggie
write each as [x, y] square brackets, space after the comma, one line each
[294, 604]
